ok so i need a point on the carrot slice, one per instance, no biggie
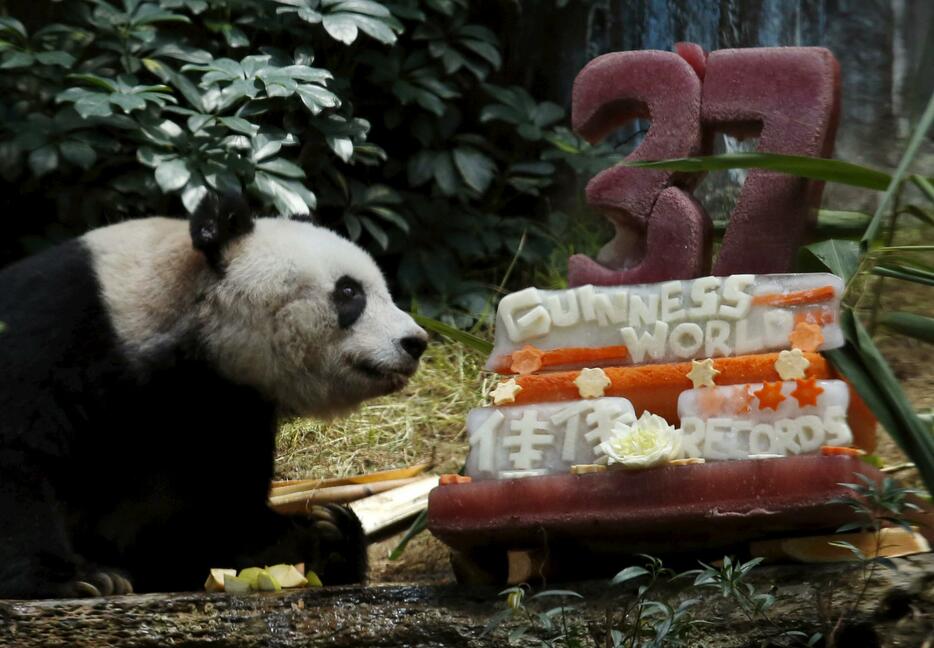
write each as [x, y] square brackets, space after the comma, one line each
[566, 356]
[841, 451]
[796, 298]
[656, 387]
[446, 480]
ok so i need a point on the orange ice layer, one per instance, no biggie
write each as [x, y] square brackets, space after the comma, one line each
[796, 298]
[569, 356]
[656, 387]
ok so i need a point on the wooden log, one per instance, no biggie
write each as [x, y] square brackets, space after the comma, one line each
[896, 610]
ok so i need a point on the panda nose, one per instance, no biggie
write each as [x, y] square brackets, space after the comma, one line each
[414, 346]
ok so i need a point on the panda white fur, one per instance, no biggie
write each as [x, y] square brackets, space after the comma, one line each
[141, 381]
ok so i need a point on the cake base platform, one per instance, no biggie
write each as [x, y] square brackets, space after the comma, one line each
[587, 525]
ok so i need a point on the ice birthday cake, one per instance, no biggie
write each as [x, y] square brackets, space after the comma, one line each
[675, 416]
[715, 368]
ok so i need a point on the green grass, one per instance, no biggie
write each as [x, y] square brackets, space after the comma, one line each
[426, 419]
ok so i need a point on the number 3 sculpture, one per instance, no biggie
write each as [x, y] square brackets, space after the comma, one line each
[788, 96]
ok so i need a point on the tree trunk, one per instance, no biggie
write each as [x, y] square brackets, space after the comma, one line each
[896, 609]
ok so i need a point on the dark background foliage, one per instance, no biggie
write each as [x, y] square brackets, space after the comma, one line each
[390, 122]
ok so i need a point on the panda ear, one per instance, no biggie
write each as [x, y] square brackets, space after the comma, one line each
[219, 219]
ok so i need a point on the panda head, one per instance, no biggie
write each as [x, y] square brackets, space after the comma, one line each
[305, 316]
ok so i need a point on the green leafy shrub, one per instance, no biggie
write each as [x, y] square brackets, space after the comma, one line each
[378, 119]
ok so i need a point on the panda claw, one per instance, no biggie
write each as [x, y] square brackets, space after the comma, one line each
[329, 530]
[121, 585]
[104, 583]
[319, 512]
[84, 589]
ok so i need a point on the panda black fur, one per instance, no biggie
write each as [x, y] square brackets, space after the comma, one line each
[141, 381]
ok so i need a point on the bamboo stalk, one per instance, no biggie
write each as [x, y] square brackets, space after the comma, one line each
[286, 487]
[380, 512]
[302, 501]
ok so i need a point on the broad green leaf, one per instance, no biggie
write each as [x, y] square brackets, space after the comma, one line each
[18, 60]
[341, 27]
[281, 166]
[80, 154]
[799, 165]
[911, 324]
[128, 102]
[475, 168]
[839, 257]
[43, 160]
[94, 80]
[444, 175]
[172, 175]
[367, 7]
[286, 201]
[193, 193]
[469, 340]
[628, 574]
[342, 147]
[316, 98]
[377, 232]
[239, 125]
[484, 50]
[376, 28]
[62, 59]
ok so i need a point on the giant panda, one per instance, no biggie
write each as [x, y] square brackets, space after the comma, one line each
[143, 369]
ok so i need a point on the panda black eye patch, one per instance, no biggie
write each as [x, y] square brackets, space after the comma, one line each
[349, 300]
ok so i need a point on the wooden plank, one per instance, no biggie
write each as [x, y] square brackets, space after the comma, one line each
[381, 511]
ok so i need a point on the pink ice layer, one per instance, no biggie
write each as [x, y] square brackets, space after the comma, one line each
[610, 91]
[678, 508]
[790, 96]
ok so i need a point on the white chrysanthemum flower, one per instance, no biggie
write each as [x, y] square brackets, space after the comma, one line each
[650, 441]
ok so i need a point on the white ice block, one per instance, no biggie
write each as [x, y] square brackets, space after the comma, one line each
[540, 439]
[732, 422]
[671, 321]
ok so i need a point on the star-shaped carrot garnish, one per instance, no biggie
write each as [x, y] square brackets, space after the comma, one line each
[807, 337]
[791, 364]
[770, 396]
[807, 391]
[702, 373]
[710, 401]
[505, 392]
[743, 399]
[591, 383]
[526, 360]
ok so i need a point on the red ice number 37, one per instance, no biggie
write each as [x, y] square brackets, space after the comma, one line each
[788, 96]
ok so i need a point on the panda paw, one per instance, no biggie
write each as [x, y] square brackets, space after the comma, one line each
[93, 583]
[342, 543]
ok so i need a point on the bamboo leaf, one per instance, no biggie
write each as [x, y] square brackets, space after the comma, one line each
[799, 165]
[418, 525]
[911, 324]
[839, 257]
[463, 337]
[863, 365]
[924, 185]
[905, 273]
[833, 223]
[917, 137]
